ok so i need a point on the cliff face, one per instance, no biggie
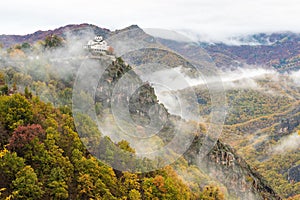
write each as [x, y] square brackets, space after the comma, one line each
[225, 166]
[238, 173]
[222, 163]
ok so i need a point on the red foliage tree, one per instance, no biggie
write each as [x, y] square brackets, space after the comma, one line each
[23, 135]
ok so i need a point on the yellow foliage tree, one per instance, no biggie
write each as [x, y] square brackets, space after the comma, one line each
[17, 53]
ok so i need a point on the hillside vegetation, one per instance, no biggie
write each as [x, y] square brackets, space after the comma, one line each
[45, 156]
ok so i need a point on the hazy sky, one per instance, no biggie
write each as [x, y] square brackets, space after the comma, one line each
[211, 17]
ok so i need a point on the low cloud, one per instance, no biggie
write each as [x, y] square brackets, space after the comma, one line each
[168, 82]
[289, 143]
[295, 76]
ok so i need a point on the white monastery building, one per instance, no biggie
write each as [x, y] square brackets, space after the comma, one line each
[98, 45]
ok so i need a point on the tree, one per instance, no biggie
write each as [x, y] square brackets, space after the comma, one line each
[4, 136]
[165, 184]
[21, 79]
[53, 41]
[212, 192]
[110, 50]
[1, 191]
[10, 164]
[4, 90]
[2, 78]
[159, 182]
[25, 46]
[85, 186]
[26, 185]
[28, 94]
[129, 182]
[57, 185]
[125, 146]
[134, 195]
[15, 110]
[23, 135]
[16, 53]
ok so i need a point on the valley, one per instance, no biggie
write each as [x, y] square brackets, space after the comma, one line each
[233, 111]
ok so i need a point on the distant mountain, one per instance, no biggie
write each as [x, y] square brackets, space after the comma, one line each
[278, 50]
[256, 39]
[9, 40]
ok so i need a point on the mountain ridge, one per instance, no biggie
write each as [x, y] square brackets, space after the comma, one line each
[279, 50]
[9, 40]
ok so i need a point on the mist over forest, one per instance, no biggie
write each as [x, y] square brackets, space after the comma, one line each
[154, 116]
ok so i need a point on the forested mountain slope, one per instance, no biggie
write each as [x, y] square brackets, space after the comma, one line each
[45, 156]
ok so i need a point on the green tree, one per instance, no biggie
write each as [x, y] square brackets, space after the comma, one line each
[134, 195]
[212, 192]
[26, 185]
[53, 41]
[58, 188]
[125, 146]
[2, 78]
[27, 93]
[15, 110]
[22, 79]
[4, 90]
[128, 182]
[25, 46]
[10, 164]
[85, 186]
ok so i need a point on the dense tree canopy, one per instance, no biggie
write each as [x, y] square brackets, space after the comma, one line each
[43, 158]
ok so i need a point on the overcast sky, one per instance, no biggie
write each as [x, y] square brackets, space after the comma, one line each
[214, 18]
